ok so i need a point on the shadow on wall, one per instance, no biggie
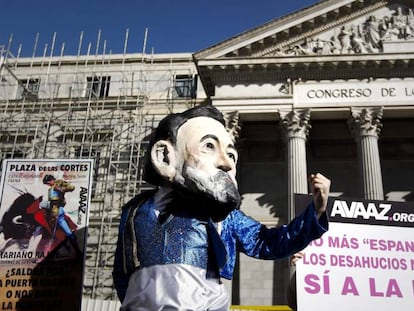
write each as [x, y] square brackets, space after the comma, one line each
[277, 206]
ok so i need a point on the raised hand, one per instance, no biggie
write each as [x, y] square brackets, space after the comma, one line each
[320, 186]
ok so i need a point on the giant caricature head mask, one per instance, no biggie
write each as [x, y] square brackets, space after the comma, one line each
[193, 152]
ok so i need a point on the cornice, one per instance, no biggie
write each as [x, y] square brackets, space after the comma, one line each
[251, 61]
[270, 69]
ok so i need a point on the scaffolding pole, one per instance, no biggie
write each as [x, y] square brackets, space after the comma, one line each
[99, 106]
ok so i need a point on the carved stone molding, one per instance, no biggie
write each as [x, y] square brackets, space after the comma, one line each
[365, 121]
[368, 36]
[295, 123]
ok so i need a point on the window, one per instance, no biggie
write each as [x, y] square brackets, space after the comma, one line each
[97, 87]
[28, 88]
[185, 86]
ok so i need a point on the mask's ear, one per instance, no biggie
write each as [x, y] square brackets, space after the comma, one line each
[164, 160]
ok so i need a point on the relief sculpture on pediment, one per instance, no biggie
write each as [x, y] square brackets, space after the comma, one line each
[366, 36]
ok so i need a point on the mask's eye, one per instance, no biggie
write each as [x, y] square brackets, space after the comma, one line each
[209, 146]
[232, 156]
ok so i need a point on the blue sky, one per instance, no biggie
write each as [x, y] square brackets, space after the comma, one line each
[173, 25]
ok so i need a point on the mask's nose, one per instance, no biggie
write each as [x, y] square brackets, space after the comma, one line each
[224, 162]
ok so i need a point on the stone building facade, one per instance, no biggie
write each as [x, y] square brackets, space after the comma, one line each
[326, 89]
[329, 88]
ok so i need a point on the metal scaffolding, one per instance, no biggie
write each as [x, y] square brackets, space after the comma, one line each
[98, 106]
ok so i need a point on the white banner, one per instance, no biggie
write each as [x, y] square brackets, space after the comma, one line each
[360, 266]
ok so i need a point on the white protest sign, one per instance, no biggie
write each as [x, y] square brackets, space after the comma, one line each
[365, 260]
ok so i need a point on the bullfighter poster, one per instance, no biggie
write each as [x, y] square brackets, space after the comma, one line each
[364, 262]
[44, 208]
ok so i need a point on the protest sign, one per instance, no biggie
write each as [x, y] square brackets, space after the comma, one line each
[44, 208]
[364, 261]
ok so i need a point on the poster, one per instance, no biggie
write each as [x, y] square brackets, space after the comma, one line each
[44, 207]
[365, 261]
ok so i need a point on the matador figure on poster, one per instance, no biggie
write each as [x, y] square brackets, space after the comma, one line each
[179, 240]
[56, 201]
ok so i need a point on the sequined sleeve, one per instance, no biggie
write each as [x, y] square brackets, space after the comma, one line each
[242, 233]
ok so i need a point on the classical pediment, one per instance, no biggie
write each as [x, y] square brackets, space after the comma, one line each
[332, 39]
[329, 27]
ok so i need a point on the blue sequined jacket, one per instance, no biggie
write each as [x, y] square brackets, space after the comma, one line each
[239, 233]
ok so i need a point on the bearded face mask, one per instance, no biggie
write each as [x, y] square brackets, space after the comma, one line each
[208, 196]
[202, 167]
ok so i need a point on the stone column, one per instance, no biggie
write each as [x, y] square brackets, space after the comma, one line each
[295, 125]
[365, 126]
